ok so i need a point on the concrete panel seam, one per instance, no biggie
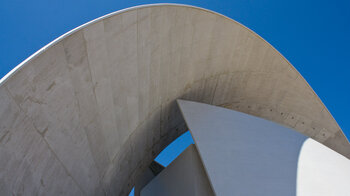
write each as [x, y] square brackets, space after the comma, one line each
[49, 147]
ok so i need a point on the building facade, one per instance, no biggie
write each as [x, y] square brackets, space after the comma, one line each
[88, 113]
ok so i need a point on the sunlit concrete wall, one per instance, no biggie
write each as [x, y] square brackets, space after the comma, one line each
[87, 113]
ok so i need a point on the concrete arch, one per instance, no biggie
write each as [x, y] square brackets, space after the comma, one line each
[85, 114]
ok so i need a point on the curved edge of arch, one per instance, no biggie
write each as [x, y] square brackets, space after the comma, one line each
[62, 37]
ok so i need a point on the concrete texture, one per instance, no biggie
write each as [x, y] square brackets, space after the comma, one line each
[247, 155]
[185, 176]
[99, 102]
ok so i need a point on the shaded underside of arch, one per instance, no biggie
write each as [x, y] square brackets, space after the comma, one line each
[89, 111]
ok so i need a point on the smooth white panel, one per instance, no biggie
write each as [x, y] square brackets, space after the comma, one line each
[247, 155]
[322, 171]
[242, 154]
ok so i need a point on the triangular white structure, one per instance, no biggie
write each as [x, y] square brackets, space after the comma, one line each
[247, 155]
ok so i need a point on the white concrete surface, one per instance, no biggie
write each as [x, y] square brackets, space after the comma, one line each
[185, 176]
[99, 100]
[247, 155]
[322, 172]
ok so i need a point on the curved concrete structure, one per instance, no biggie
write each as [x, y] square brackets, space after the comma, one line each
[87, 113]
